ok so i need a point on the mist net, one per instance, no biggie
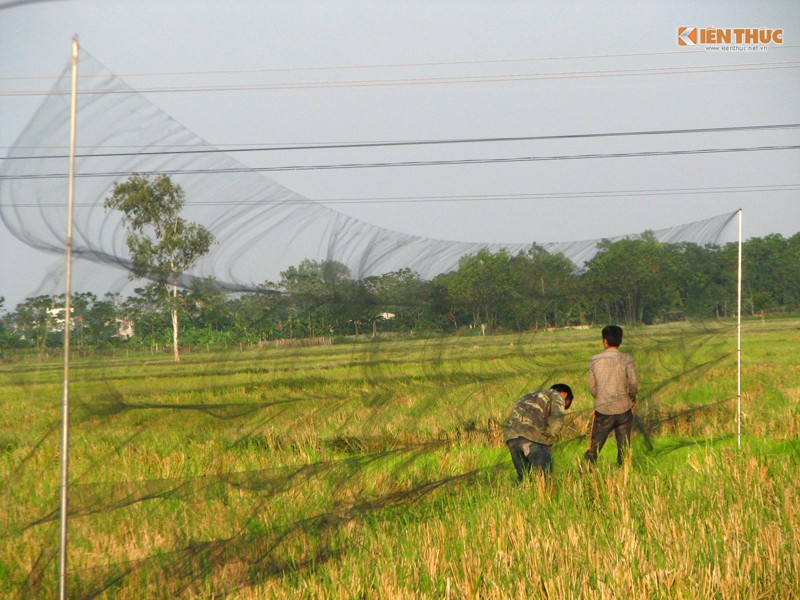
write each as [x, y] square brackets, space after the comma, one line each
[261, 226]
[232, 469]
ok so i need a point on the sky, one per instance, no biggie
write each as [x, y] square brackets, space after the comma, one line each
[255, 73]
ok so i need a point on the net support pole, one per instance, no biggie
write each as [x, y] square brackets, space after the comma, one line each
[739, 340]
[62, 550]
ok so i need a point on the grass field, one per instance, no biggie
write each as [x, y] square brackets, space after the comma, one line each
[376, 469]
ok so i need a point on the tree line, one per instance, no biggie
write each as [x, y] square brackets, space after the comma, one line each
[628, 281]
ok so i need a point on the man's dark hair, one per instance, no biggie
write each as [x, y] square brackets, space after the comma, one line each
[563, 387]
[613, 335]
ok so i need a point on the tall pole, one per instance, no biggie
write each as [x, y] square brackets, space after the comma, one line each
[62, 566]
[739, 341]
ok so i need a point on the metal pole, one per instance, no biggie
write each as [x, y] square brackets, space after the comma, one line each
[739, 341]
[62, 566]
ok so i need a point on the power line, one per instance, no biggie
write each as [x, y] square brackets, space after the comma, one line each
[470, 197]
[430, 163]
[244, 169]
[347, 145]
[421, 163]
[548, 195]
[421, 80]
[443, 63]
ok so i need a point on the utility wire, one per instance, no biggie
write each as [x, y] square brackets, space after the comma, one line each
[420, 80]
[387, 144]
[789, 187]
[443, 63]
[429, 163]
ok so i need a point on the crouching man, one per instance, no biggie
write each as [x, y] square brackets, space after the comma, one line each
[533, 427]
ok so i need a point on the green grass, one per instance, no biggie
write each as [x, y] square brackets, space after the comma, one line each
[377, 469]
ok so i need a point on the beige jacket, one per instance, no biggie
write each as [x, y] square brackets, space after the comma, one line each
[612, 381]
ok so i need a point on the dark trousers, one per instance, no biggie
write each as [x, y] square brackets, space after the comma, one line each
[602, 426]
[527, 455]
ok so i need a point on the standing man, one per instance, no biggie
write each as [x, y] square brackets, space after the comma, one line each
[612, 382]
[533, 426]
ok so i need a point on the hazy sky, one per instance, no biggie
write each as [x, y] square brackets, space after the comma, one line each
[328, 72]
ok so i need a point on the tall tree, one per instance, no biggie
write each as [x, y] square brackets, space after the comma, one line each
[630, 280]
[34, 321]
[162, 245]
[402, 293]
[319, 291]
[702, 279]
[483, 284]
[770, 266]
[7, 339]
[259, 315]
[543, 285]
[791, 275]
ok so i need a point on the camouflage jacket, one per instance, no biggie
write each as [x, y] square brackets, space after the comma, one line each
[537, 416]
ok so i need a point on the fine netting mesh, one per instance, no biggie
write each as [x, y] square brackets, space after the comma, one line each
[261, 227]
[225, 472]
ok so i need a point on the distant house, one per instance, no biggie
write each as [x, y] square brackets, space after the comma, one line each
[124, 328]
[55, 318]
